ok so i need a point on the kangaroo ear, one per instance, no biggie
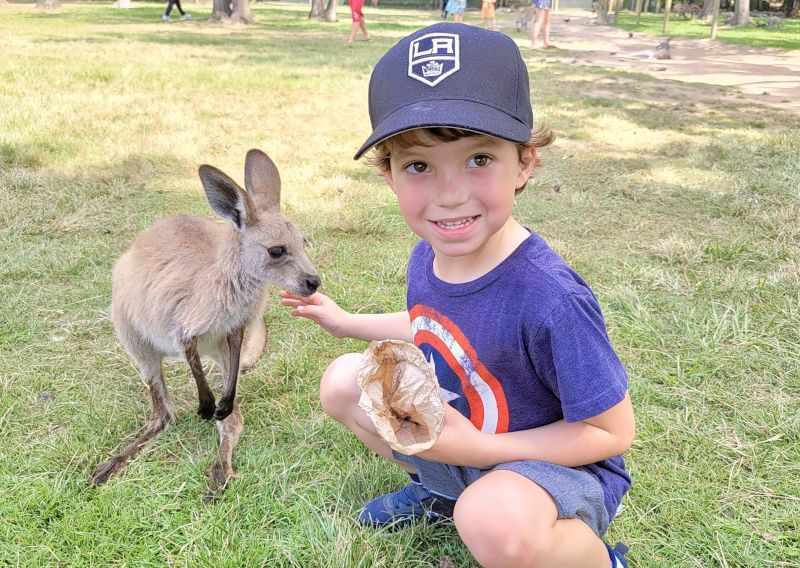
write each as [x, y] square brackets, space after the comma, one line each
[226, 198]
[262, 180]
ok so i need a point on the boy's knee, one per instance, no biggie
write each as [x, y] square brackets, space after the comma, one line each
[338, 390]
[500, 534]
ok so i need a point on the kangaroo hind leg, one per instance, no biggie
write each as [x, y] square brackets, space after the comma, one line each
[163, 415]
[230, 430]
[255, 336]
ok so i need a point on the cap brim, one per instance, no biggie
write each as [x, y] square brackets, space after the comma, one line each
[467, 115]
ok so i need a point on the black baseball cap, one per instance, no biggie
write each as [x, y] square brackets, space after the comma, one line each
[451, 75]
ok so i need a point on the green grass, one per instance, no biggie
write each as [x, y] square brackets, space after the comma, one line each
[685, 219]
[786, 38]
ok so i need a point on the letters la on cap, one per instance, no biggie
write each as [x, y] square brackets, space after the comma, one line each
[433, 57]
[451, 75]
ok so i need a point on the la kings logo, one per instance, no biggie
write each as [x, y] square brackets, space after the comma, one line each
[433, 57]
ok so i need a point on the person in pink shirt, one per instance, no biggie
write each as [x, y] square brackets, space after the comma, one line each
[358, 20]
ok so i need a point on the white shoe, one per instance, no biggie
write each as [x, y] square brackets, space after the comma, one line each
[186, 17]
[165, 18]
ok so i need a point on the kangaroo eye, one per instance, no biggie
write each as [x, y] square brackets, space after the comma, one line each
[276, 252]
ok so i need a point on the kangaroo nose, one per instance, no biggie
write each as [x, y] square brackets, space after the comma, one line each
[312, 283]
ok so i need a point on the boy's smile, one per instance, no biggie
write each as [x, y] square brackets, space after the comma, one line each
[458, 196]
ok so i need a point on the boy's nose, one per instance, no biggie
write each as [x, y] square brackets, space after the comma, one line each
[452, 191]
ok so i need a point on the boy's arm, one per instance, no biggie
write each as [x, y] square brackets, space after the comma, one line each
[320, 309]
[569, 444]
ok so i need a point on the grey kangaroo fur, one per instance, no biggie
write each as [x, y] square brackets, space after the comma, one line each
[190, 287]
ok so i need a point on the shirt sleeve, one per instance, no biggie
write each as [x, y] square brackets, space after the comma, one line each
[573, 357]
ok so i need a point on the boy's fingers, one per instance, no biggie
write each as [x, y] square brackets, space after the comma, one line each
[312, 299]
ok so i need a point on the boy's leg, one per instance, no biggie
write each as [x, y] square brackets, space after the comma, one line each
[508, 521]
[339, 394]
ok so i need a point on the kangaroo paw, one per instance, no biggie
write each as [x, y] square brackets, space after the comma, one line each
[206, 411]
[224, 409]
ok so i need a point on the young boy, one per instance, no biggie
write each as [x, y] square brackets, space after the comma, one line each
[528, 464]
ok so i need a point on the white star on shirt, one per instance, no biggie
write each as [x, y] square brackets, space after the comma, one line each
[447, 396]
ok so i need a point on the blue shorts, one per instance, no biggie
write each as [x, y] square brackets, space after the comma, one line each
[456, 7]
[543, 4]
[576, 493]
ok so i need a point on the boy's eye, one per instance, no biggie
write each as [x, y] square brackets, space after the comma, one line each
[479, 161]
[417, 168]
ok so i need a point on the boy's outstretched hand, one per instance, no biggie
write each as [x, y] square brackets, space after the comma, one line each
[319, 308]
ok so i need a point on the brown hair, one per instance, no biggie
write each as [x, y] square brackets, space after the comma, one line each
[379, 156]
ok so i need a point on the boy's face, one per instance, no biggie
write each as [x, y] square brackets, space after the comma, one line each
[457, 195]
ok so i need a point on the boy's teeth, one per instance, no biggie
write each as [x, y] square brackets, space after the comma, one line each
[455, 224]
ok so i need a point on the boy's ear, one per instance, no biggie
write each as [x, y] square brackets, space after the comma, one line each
[527, 164]
[387, 175]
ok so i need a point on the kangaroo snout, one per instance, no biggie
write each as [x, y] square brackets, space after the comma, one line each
[312, 283]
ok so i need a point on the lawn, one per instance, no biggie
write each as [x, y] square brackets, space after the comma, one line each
[679, 205]
[786, 37]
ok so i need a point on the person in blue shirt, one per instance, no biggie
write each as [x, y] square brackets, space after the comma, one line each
[528, 465]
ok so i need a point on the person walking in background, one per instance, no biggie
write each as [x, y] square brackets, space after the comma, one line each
[357, 16]
[487, 13]
[457, 7]
[177, 4]
[542, 10]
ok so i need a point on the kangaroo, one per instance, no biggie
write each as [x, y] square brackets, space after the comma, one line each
[189, 287]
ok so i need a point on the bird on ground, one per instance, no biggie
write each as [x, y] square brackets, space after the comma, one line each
[661, 51]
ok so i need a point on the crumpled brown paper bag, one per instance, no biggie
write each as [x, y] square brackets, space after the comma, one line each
[400, 394]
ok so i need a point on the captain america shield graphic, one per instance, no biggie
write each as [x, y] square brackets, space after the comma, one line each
[465, 382]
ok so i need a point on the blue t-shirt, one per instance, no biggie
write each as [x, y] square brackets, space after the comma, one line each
[522, 346]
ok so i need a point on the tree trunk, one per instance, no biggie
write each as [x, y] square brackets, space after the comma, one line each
[317, 9]
[741, 13]
[231, 12]
[602, 12]
[48, 4]
[330, 11]
[714, 18]
[321, 12]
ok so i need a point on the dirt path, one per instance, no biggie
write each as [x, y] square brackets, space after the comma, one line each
[766, 76]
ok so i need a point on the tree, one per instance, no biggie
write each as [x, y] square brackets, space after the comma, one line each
[714, 18]
[323, 13]
[602, 12]
[741, 13]
[667, 11]
[231, 12]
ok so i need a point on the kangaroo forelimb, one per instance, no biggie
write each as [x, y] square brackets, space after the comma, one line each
[206, 406]
[225, 406]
